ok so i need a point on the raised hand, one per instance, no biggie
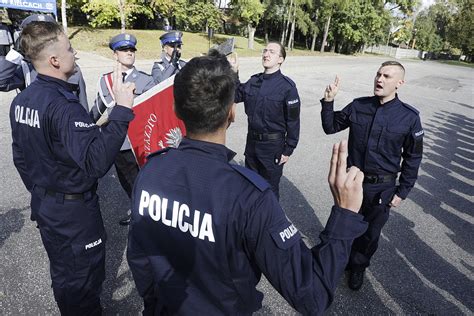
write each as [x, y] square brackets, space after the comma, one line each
[331, 90]
[345, 184]
[123, 91]
[234, 61]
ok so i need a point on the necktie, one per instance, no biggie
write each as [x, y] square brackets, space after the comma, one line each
[124, 74]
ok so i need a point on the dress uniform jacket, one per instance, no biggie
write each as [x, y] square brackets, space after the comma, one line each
[20, 74]
[163, 69]
[60, 154]
[104, 100]
[204, 230]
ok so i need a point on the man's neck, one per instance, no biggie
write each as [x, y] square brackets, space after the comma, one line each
[387, 99]
[272, 70]
[52, 73]
[216, 138]
[126, 68]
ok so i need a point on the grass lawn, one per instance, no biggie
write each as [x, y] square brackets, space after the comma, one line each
[149, 47]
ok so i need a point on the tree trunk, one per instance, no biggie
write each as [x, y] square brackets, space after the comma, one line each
[251, 30]
[63, 15]
[122, 15]
[287, 26]
[292, 33]
[265, 30]
[313, 42]
[325, 36]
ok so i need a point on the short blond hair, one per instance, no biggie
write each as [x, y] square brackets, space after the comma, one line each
[38, 35]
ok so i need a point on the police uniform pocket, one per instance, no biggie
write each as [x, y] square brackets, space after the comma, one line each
[89, 255]
[274, 107]
[392, 138]
[386, 196]
[358, 131]
[285, 235]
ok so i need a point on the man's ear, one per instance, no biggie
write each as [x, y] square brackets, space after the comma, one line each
[231, 115]
[400, 83]
[53, 60]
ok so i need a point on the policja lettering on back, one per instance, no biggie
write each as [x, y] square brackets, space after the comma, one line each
[158, 207]
[27, 116]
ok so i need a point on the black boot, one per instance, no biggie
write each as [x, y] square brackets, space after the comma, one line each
[356, 279]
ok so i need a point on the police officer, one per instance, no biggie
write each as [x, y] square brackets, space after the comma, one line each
[204, 230]
[18, 73]
[385, 138]
[170, 62]
[124, 48]
[6, 39]
[272, 105]
[60, 153]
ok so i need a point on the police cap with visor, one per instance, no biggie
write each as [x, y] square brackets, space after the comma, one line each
[171, 38]
[37, 18]
[123, 42]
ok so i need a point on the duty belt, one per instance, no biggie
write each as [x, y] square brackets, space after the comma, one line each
[65, 196]
[265, 136]
[373, 178]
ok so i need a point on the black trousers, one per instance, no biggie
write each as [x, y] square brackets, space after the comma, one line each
[376, 210]
[127, 170]
[263, 157]
[73, 234]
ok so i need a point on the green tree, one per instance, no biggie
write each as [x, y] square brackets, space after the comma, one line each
[249, 13]
[426, 37]
[104, 13]
[461, 31]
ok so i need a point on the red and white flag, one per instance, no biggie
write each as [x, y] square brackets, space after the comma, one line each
[155, 125]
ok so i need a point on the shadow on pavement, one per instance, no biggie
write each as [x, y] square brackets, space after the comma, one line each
[11, 222]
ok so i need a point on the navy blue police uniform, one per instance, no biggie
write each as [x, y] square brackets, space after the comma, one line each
[125, 162]
[272, 105]
[165, 68]
[60, 153]
[17, 73]
[203, 231]
[384, 140]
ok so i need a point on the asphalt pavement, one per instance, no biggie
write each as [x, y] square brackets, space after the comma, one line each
[425, 261]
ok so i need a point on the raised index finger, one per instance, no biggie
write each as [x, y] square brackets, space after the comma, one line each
[342, 162]
[333, 166]
[117, 76]
[336, 81]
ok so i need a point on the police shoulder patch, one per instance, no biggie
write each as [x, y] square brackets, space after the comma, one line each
[159, 152]
[285, 235]
[408, 106]
[252, 176]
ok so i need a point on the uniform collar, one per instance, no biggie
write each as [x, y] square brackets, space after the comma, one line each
[389, 103]
[218, 151]
[272, 75]
[66, 85]
[129, 72]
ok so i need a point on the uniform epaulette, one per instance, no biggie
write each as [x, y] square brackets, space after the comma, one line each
[363, 99]
[292, 83]
[143, 73]
[257, 75]
[159, 61]
[408, 106]
[158, 152]
[68, 95]
[252, 176]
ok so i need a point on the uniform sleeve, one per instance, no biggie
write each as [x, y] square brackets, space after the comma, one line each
[239, 91]
[411, 155]
[19, 162]
[305, 278]
[149, 84]
[334, 122]
[161, 72]
[11, 75]
[292, 116]
[92, 149]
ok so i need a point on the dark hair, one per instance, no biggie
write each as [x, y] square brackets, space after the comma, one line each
[37, 35]
[393, 63]
[282, 48]
[204, 92]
